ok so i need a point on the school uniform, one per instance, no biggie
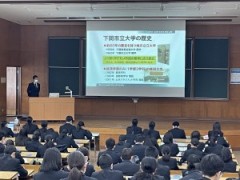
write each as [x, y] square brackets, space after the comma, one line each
[7, 132]
[120, 146]
[66, 141]
[108, 174]
[152, 133]
[188, 152]
[50, 175]
[230, 166]
[81, 134]
[178, 133]
[172, 163]
[139, 150]
[192, 175]
[174, 149]
[163, 171]
[134, 130]
[127, 167]
[69, 127]
[35, 146]
[115, 156]
[30, 128]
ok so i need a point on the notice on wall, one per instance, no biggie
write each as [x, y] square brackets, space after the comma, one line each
[235, 76]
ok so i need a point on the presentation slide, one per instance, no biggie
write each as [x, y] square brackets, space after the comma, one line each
[136, 59]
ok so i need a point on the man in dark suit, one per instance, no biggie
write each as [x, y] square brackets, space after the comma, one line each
[134, 129]
[107, 173]
[68, 126]
[138, 148]
[33, 87]
[177, 132]
[110, 143]
[121, 144]
[8, 162]
[127, 167]
[151, 132]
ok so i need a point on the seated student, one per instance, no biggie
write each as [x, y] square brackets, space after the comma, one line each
[90, 168]
[30, 127]
[35, 146]
[176, 131]
[80, 132]
[107, 173]
[192, 171]
[68, 125]
[6, 130]
[51, 166]
[211, 166]
[77, 165]
[53, 133]
[127, 167]
[49, 142]
[130, 137]
[134, 129]
[161, 170]
[138, 148]
[43, 131]
[196, 134]
[192, 150]
[2, 148]
[168, 141]
[220, 138]
[21, 138]
[166, 159]
[18, 156]
[148, 167]
[121, 144]
[229, 164]
[151, 141]
[151, 132]
[216, 127]
[8, 162]
[213, 147]
[110, 143]
[65, 140]
[2, 138]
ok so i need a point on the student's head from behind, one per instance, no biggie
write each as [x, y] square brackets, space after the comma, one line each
[110, 143]
[52, 160]
[175, 124]
[80, 124]
[36, 137]
[23, 132]
[29, 120]
[151, 151]
[84, 151]
[139, 139]
[226, 154]
[168, 138]
[135, 122]
[196, 134]
[151, 125]
[127, 154]
[10, 150]
[44, 124]
[3, 124]
[9, 142]
[122, 138]
[216, 126]
[105, 161]
[194, 142]
[77, 163]
[166, 153]
[193, 161]
[212, 165]
[148, 165]
[69, 119]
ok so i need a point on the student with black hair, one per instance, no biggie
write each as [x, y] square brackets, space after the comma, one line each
[30, 127]
[168, 141]
[21, 138]
[130, 137]
[166, 159]
[65, 140]
[193, 150]
[90, 168]
[176, 131]
[49, 142]
[77, 164]
[51, 166]
[33, 87]
[34, 145]
[127, 167]
[2, 148]
[192, 171]
[151, 132]
[107, 173]
[53, 133]
[68, 125]
[43, 130]
[139, 148]
[212, 166]
[8, 162]
[80, 132]
[229, 164]
[216, 127]
[161, 170]
[110, 143]
[134, 129]
[18, 156]
[6, 130]
[148, 167]
[213, 147]
[121, 144]
[201, 145]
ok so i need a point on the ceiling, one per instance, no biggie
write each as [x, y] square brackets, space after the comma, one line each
[78, 13]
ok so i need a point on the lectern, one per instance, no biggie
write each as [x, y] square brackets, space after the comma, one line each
[53, 109]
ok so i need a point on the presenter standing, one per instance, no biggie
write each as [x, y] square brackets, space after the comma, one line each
[33, 87]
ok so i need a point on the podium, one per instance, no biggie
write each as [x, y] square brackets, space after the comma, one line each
[54, 109]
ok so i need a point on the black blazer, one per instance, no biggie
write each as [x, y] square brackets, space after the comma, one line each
[81, 134]
[120, 146]
[35, 146]
[7, 132]
[174, 149]
[115, 156]
[172, 163]
[189, 152]
[32, 90]
[108, 174]
[139, 150]
[21, 140]
[134, 130]
[30, 128]
[7, 163]
[192, 174]
[152, 133]
[66, 141]
[89, 170]
[153, 177]
[127, 168]
[216, 149]
[83, 177]
[163, 171]
[51, 175]
[230, 166]
[69, 127]
[178, 133]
